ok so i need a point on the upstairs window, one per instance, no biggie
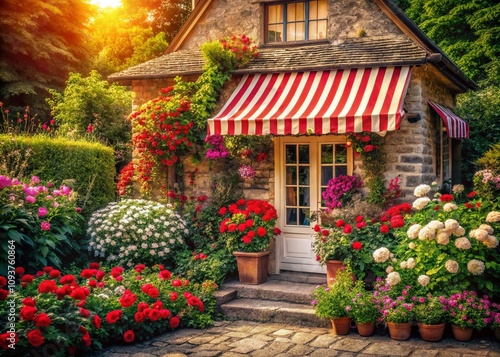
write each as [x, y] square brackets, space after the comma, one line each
[296, 21]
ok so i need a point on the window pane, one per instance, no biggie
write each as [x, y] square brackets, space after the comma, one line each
[303, 175]
[340, 170]
[321, 29]
[340, 154]
[303, 217]
[274, 33]
[291, 154]
[291, 216]
[326, 175]
[290, 12]
[300, 31]
[275, 14]
[313, 10]
[313, 30]
[291, 196]
[303, 154]
[322, 9]
[300, 11]
[291, 175]
[327, 154]
[304, 198]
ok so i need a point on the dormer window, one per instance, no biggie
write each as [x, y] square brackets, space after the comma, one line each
[296, 21]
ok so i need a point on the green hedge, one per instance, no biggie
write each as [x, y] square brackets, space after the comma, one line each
[90, 165]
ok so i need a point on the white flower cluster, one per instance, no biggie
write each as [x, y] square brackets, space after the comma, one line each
[135, 231]
[462, 243]
[448, 207]
[484, 234]
[451, 266]
[423, 280]
[408, 264]
[493, 216]
[475, 266]
[421, 190]
[381, 255]
[420, 203]
[393, 278]
[436, 230]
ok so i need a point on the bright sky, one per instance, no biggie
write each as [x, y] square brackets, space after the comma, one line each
[106, 3]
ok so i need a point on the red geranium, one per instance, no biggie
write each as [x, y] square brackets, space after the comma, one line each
[5, 340]
[28, 302]
[96, 320]
[174, 322]
[87, 341]
[261, 231]
[139, 268]
[384, 228]
[19, 271]
[47, 286]
[446, 198]
[176, 282]
[78, 294]
[28, 278]
[35, 338]
[154, 315]
[94, 265]
[339, 223]
[113, 316]
[3, 294]
[84, 312]
[471, 194]
[128, 300]
[165, 314]
[128, 336]
[317, 228]
[139, 316]
[88, 273]
[173, 296]
[277, 231]
[42, 320]
[54, 273]
[141, 306]
[3, 281]
[347, 229]
[357, 245]
[67, 279]
[27, 312]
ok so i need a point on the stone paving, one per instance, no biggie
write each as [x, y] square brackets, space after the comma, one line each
[256, 339]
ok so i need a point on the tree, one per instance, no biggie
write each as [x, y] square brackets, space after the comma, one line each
[467, 31]
[118, 44]
[162, 15]
[91, 105]
[41, 41]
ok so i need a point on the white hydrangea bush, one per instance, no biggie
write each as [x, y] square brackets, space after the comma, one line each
[136, 231]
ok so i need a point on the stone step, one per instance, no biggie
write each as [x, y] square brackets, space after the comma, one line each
[276, 290]
[297, 277]
[272, 311]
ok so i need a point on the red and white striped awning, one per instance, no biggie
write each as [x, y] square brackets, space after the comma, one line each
[316, 102]
[456, 127]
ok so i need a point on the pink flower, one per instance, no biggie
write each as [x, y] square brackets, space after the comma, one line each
[45, 226]
[42, 212]
[30, 199]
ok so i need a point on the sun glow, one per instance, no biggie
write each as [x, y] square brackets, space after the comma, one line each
[107, 3]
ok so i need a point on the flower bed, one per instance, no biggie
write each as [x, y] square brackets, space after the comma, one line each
[62, 313]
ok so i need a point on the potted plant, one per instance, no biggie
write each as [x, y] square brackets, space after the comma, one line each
[468, 312]
[248, 229]
[334, 302]
[397, 311]
[364, 310]
[431, 315]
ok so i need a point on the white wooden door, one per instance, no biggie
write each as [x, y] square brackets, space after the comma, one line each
[303, 167]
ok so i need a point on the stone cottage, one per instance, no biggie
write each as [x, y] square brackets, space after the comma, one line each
[326, 68]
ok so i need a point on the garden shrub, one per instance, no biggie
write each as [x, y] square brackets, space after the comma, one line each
[90, 166]
[67, 312]
[136, 231]
[487, 181]
[39, 223]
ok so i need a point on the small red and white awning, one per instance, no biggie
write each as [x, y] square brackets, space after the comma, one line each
[316, 102]
[456, 127]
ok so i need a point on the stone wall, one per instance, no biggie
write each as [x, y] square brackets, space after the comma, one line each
[346, 19]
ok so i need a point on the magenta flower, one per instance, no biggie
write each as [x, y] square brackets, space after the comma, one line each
[30, 199]
[35, 179]
[45, 226]
[42, 212]
[5, 181]
[65, 190]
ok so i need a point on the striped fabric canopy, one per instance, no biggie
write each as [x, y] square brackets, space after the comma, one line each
[316, 102]
[456, 127]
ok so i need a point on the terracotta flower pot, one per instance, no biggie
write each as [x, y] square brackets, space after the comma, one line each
[332, 266]
[341, 325]
[431, 333]
[366, 329]
[400, 332]
[252, 267]
[462, 333]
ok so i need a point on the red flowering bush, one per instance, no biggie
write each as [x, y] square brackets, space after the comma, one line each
[125, 179]
[355, 242]
[94, 306]
[249, 225]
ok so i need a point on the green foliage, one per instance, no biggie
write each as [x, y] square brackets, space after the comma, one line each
[41, 42]
[481, 110]
[491, 159]
[467, 31]
[90, 166]
[216, 264]
[332, 302]
[41, 224]
[364, 307]
[92, 101]
[431, 310]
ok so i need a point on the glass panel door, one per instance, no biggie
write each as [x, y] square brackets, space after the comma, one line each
[297, 183]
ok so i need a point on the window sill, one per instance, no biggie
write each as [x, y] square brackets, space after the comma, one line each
[295, 43]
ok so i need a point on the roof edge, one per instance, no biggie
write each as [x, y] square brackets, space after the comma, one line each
[449, 68]
[197, 12]
[152, 76]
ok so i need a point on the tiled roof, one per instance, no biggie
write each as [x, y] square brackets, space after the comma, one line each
[358, 52]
